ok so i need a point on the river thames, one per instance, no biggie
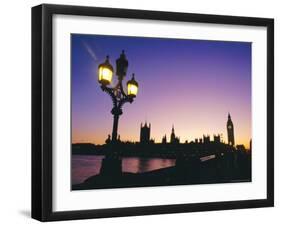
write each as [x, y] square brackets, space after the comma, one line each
[84, 166]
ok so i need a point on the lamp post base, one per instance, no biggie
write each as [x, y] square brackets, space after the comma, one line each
[111, 166]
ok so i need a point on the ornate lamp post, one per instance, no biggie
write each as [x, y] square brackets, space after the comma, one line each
[119, 98]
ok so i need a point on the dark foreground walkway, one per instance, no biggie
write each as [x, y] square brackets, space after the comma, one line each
[184, 173]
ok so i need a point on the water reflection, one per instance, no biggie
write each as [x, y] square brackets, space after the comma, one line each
[84, 166]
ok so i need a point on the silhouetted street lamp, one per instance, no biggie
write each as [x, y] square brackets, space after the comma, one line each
[118, 96]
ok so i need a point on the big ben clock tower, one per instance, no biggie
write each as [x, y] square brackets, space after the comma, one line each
[230, 131]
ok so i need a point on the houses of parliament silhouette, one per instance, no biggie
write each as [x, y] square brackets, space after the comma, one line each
[145, 132]
[169, 146]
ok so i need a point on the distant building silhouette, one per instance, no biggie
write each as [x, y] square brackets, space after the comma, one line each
[108, 140]
[240, 147]
[174, 139]
[164, 139]
[206, 139]
[145, 133]
[217, 138]
[230, 131]
[251, 145]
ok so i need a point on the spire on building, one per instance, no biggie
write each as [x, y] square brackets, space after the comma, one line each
[174, 139]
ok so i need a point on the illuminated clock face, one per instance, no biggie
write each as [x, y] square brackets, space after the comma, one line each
[229, 127]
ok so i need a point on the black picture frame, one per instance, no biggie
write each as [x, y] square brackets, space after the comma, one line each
[42, 197]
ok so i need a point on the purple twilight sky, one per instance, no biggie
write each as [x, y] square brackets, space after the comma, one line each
[191, 84]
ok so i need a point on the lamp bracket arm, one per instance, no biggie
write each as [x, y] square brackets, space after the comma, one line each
[124, 100]
[110, 92]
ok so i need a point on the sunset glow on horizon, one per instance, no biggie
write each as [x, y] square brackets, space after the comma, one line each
[191, 84]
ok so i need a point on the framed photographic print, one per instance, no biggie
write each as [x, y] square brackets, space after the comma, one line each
[146, 112]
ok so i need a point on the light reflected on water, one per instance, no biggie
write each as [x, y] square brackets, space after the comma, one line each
[84, 166]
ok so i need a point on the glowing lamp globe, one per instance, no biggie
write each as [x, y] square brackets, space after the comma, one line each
[105, 72]
[132, 86]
